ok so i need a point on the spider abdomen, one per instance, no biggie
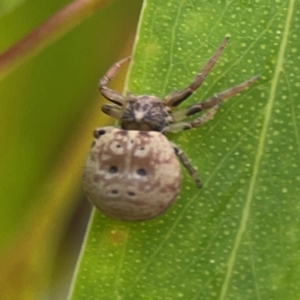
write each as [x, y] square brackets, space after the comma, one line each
[132, 175]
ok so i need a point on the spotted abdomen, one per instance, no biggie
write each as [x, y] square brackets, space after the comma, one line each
[131, 175]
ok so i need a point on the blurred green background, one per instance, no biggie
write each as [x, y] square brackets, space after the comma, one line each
[49, 107]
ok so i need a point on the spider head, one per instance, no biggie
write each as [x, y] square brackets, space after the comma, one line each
[145, 113]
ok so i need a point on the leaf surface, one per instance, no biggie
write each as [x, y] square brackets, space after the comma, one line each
[9, 5]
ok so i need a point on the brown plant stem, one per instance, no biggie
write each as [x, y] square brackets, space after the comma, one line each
[60, 23]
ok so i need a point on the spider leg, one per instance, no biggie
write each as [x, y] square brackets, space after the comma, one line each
[176, 97]
[179, 126]
[187, 164]
[109, 94]
[112, 110]
[212, 101]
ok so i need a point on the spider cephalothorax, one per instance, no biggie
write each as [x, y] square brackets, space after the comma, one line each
[145, 113]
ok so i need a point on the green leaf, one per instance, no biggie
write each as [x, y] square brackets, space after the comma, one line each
[238, 237]
[8, 5]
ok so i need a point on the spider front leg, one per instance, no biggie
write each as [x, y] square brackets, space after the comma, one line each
[179, 126]
[212, 101]
[176, 97]
[112, 110]
[109, 94]
[187, 164]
